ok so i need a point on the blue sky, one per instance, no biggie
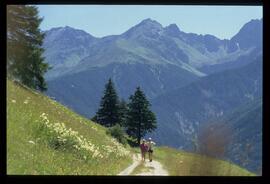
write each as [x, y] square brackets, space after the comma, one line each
[103, 20]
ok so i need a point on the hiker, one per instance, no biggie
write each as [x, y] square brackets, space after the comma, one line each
[150, 148]
[144, 149]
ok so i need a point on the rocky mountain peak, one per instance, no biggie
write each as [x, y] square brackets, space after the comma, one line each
[150, 22]
[147, 27]
[172, 30]
[244, 38]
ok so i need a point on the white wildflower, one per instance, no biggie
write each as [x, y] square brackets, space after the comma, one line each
[31, 142]
[80, 142]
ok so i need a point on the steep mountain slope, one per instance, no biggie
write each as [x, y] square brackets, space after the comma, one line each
[181, 111]
[65, 47]
[244, 37]
[248, 39]
[46, 138]
[239, 62]
[245, 148]
[84, 90]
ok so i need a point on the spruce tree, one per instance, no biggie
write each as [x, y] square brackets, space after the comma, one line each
[123, 112]
[24, 46]
[108, 113]
[140, 119]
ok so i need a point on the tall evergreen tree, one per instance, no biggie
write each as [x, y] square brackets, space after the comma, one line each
[108, 113]
[24, 46]
[140, 119]
[123, 112]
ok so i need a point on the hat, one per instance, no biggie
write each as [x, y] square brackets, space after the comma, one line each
[149, 139]
[143, 140]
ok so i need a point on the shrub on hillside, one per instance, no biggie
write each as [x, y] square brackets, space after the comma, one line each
[117, 132]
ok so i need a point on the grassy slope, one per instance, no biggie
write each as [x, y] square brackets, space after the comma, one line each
[23, 110]
[180, 163]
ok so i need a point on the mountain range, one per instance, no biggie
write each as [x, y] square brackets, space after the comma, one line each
[189, 78]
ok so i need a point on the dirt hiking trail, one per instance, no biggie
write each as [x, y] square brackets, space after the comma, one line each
[153, 168]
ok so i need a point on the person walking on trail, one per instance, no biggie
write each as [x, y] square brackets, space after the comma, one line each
[150, 148]
[144, 149]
